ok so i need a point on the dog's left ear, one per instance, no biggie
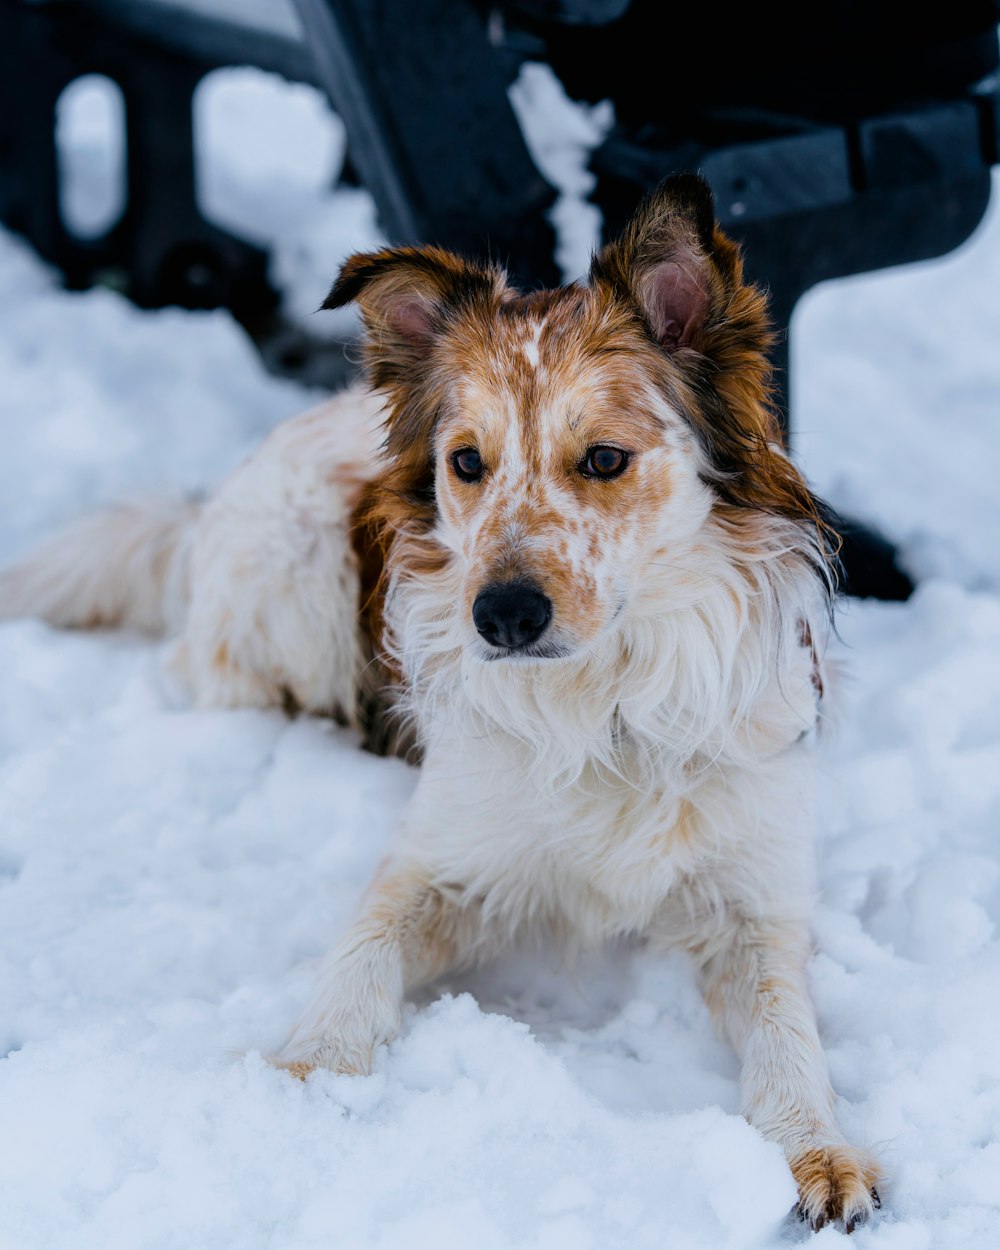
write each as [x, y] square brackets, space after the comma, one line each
[675, 267]
[673, 264]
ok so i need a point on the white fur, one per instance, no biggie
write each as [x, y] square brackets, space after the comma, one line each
[530, 346]
[258, 585]
[124, 566]
[273, 573]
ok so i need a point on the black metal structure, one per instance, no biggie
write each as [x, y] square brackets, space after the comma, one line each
[162, 251]
[862, 142]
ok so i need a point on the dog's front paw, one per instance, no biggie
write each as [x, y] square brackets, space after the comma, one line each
[836, 1183]
[336, 1053]
[344, 1041]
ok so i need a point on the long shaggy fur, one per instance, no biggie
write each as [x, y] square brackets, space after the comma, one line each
[634, 760]
[125, 567]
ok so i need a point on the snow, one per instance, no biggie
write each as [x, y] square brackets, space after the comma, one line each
[169, 878]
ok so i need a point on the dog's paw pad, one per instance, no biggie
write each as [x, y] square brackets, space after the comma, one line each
[836, 1183]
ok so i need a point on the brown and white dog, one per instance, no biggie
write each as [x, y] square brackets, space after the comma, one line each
[596, 589]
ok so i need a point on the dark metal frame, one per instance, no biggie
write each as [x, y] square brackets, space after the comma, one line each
[162, 250]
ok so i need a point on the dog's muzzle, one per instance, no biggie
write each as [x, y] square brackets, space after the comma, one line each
[511, 616]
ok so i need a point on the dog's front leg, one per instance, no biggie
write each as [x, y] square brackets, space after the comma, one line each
[407, 933]
[755, 986]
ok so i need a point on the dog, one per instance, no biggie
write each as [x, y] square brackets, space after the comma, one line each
[557, 550]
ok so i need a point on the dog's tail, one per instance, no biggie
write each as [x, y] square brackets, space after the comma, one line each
[125, 566]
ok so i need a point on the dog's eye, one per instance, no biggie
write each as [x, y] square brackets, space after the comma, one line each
[603, 462]
[467, 464]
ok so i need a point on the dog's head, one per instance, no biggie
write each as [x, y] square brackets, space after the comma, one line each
[557, 448]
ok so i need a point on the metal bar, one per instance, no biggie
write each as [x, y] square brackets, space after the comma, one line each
[430, 127]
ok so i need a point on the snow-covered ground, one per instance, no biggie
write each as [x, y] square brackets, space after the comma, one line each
[168, 878]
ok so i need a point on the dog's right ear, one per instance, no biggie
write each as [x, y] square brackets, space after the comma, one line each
[673, 265]
[407, 296]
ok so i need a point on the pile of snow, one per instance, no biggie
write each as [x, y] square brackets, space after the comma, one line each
[169, 878]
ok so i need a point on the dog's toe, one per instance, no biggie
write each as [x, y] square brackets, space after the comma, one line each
[326, 1053]
[296, 1068]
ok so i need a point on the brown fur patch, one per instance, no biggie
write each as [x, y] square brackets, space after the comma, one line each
[299, 1070]
[836, 1183]
[806, 641]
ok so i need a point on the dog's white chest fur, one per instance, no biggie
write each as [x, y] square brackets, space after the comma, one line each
[598, 849]
[546, 798]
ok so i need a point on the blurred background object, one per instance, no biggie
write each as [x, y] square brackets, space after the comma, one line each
[843, 140]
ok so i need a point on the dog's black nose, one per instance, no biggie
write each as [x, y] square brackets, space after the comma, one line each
[511, 616]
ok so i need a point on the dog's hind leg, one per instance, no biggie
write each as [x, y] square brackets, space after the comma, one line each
[755, 985]
[407, 933]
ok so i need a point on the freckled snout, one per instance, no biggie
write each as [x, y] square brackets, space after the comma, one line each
[511, 615]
